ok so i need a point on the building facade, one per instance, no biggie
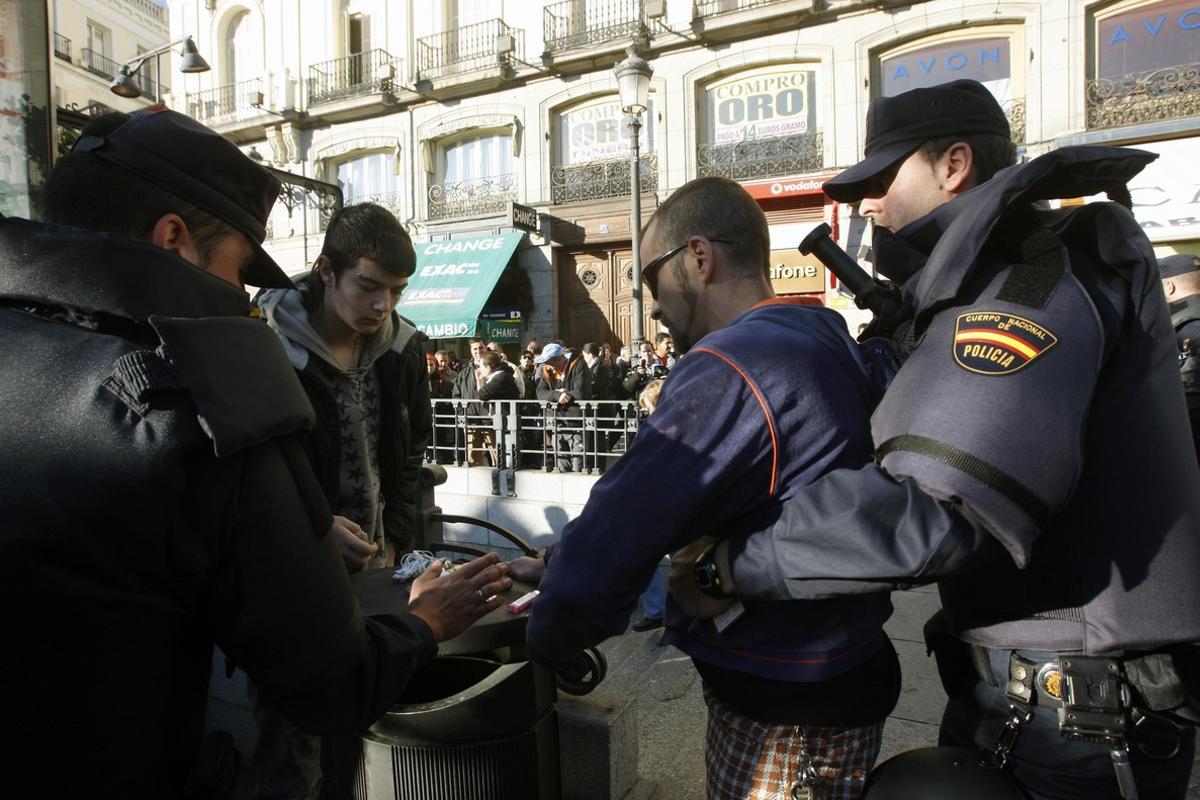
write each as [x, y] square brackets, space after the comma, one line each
[449, 111]
[91, 39]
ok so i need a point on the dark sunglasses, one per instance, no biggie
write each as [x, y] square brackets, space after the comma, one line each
[650, 271]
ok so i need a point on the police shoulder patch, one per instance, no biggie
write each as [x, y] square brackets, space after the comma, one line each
[998, 343]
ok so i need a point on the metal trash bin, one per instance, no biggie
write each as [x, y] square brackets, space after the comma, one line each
[479, 722]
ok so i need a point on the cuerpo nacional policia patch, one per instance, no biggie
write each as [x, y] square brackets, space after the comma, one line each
[998, 343]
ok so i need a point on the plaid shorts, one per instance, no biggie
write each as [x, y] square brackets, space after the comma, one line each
[748, 760]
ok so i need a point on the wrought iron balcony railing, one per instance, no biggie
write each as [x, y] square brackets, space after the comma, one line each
[472, 198]
[372, 72]
[470, 47]
[712, 8]
[221, 102]
[583, 23]
[1016, 120]
[62, 47]
[762, 158]
[598, 180]
[98, 63]
[1151, 96]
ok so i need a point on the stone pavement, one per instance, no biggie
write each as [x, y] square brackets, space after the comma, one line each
[671, 712]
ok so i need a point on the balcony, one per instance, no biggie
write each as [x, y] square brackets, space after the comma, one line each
[713, 8]
[478, 197]
[600, 180]
[762, 158]
[356, 75]
[98, 63]
[1152, 96]
[225, 103]
[587, 23]
[62, 47]
[472, 47]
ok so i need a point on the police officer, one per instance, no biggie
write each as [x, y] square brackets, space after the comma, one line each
[154, 495]
[1031, 455]
[1181, 283]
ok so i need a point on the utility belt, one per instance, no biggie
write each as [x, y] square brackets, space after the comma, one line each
[1144, 701]
[1097, 699]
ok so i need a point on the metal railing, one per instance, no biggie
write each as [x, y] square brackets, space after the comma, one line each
[712, 8]
[223, 101]
[584, 23]
[1016, 120]
[474, 198]
[762, 158]
[98, 63]
[484, 44]
[372, 72]
[62, 47]
[529, 434]
[153, 9]
[1150, 96]
[597, 180]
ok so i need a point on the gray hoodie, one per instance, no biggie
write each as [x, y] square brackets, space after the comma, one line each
[356, 392]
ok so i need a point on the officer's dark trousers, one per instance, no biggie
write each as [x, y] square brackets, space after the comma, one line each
[1044, 763]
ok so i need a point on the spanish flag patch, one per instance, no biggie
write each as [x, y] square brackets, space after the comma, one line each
[998, 343]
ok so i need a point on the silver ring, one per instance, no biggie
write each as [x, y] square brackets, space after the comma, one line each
[480, 593]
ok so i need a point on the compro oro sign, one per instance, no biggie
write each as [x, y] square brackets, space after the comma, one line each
[452, 283]
[596, 130]
[763, 104]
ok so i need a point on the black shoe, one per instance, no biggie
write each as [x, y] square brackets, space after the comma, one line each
[647, 624]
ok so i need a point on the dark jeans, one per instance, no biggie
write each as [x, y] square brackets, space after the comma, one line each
[1046, 765]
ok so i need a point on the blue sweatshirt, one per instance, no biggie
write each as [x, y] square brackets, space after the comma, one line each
[755, 410]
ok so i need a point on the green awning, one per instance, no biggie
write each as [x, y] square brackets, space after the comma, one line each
[453, 281]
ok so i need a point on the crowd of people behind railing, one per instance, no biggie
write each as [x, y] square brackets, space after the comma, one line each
[558, 406]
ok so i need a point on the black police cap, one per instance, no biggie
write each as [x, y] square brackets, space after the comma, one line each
[897, 126]
[201, 166]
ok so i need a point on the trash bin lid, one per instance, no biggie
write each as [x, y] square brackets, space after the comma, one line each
[379, 593]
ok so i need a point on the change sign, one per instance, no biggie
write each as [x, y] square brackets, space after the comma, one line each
[452, 283]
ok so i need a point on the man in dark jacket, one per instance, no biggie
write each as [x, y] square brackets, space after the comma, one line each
[563, 380]
[363, 369]
[1031, 456]
[793, 685]
[155, 496]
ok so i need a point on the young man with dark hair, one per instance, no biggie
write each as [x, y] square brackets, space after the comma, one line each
[1032, 456]
[363, 369]
[790, 685]
[162, 502]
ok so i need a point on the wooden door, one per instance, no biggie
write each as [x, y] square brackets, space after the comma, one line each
[596, 298]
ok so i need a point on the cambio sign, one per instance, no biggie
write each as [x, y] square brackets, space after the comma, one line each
[596, 130]
[761, 105]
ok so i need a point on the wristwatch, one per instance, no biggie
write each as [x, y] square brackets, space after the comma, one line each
[706, 573]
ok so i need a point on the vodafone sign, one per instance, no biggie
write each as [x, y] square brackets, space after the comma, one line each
[787, 187]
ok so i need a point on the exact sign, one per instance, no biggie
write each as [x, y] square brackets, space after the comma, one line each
[523, 218]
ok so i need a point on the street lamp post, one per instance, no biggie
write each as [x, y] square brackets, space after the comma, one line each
[125, 85]
[633, 81]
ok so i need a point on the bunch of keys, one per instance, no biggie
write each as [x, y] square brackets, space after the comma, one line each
[806, 774]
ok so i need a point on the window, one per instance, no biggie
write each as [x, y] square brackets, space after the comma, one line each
[241, 51]
[595, 130]
[370, 177]
[986, 54]
[761, 123]
[359, 40]
[1130, 38]
[99, 39]
[484, 155]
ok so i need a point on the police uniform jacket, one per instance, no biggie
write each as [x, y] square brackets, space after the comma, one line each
[1032, 452]
[156, 501]
[1185, 317]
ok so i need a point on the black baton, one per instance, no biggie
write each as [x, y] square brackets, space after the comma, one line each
[867, 292]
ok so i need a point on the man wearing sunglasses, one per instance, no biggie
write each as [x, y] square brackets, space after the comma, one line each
[805, 684]
[1031, 456]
